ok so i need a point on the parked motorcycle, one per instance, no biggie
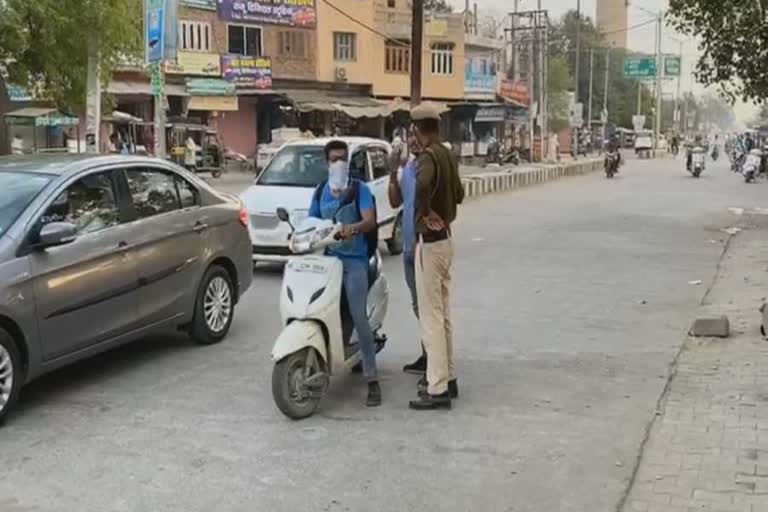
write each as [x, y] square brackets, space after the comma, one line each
[311, 347]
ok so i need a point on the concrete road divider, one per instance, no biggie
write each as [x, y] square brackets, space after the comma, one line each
[476, 185]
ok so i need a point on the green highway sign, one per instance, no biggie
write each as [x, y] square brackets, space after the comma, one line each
[671, 66]
[640, 67]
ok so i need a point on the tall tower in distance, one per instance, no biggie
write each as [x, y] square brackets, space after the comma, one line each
[613, 17]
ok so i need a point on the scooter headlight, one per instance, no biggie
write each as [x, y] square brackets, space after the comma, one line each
[317, 295]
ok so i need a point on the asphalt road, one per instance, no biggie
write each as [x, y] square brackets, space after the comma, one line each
[571, 300]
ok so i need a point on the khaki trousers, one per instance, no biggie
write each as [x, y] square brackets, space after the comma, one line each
[434, 269]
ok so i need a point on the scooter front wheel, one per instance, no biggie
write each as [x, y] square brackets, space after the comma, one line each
[298, 383]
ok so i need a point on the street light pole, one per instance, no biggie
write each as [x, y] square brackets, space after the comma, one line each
[576, 86]
[605, 92]
[589, 101]
[659, 71]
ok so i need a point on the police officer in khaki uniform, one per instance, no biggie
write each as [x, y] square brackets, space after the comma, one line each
[438, 193]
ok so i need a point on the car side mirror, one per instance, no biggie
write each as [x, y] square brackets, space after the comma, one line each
[55, 234]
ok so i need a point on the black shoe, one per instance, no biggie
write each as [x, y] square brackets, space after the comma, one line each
[431, 402]
[374, 395]
[453, 387]
[418, 367]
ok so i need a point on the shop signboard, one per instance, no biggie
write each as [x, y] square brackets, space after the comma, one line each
[491, 114]
[194, 63]
[247, 72]
[209, 87]
[154, 30]
[17, 93]
[514, 90]
[480, 76]
[200, 4]
[294, 13]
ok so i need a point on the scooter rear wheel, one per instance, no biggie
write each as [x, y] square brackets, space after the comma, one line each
[292, 394]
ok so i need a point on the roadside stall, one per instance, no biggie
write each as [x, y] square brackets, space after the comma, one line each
[48, 129]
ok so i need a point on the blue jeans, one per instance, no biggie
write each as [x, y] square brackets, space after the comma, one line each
[409, 260]
[355, 283]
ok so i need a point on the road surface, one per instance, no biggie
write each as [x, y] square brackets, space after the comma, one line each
[571, 300]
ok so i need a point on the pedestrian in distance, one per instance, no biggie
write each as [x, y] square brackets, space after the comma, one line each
[438, 193]
[402, 192]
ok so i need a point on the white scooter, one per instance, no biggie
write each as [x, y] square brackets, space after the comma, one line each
[698, 159]
[311, 347]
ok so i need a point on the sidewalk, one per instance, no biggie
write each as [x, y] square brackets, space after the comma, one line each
[707, 450]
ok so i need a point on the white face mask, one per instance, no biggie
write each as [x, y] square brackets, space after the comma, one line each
[338, 175]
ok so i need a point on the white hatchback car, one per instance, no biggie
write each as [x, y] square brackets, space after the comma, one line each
[290, 180]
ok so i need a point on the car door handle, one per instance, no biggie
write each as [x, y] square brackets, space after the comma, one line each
[122, 244]
[199, 227]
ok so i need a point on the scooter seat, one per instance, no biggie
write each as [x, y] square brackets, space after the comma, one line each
[374, 269]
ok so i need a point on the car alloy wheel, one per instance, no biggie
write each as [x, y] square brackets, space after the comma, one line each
[217, 304]
[6, 377]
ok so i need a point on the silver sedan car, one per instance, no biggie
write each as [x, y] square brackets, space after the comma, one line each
[98, 251]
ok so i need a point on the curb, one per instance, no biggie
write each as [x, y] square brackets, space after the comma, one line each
[478, 185]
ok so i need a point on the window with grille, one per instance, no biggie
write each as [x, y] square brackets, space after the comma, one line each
[244, 40]
[344, 46]
[397, 57]
[442, 58]
[292, 43]
[195, 36]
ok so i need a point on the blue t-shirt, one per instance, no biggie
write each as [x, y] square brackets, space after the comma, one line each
[408, 188]
[355, 247]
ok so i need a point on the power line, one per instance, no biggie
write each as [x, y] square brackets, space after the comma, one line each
[633, 27]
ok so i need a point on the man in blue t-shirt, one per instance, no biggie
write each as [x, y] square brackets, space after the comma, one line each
[357, 215]
[402, 191]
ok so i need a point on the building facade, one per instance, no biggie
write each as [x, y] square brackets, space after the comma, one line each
[613, 18]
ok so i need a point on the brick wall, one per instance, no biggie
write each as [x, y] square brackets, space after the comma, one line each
[291, 66]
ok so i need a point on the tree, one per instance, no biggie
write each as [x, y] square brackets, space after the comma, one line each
[45, 43]
[733, 43]
[559, 82]
[622, 92]
[441, 6]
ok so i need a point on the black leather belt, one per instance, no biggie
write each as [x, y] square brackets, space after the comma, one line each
[435, 236]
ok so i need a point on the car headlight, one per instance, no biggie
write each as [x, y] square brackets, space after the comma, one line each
[296, 216]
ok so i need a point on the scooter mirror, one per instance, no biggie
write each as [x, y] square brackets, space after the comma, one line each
[282, 214]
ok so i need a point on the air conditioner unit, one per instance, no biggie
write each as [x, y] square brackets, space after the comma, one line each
[341, 74]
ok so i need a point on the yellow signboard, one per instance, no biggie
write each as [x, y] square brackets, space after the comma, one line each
[213, 103]
[194, 63]
[437, 28]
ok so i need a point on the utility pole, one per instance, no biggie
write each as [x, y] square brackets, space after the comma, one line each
[591, 71]
[515, 48]
[659, 71]
[531, 96]
[605, 93]
[576, 86]
[639, 97]
[417, 37]
[679, 78]
[541, 36]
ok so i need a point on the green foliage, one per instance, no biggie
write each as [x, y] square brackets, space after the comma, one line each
[45, 42]
[733, 43]
[622, 92]
[559, 81]
[437, 6]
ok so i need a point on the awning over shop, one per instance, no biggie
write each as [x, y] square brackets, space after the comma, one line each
[34, 116]
[213, 103]
[143, 88]
[500, 112]
[401, 105]
[324, 101]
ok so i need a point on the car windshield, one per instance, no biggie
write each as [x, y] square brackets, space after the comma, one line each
[296, 166]
[17, 190]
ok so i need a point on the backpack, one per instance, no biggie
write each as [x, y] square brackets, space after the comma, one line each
[352, 194]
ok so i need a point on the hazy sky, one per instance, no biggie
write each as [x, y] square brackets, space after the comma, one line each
[640, 39]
